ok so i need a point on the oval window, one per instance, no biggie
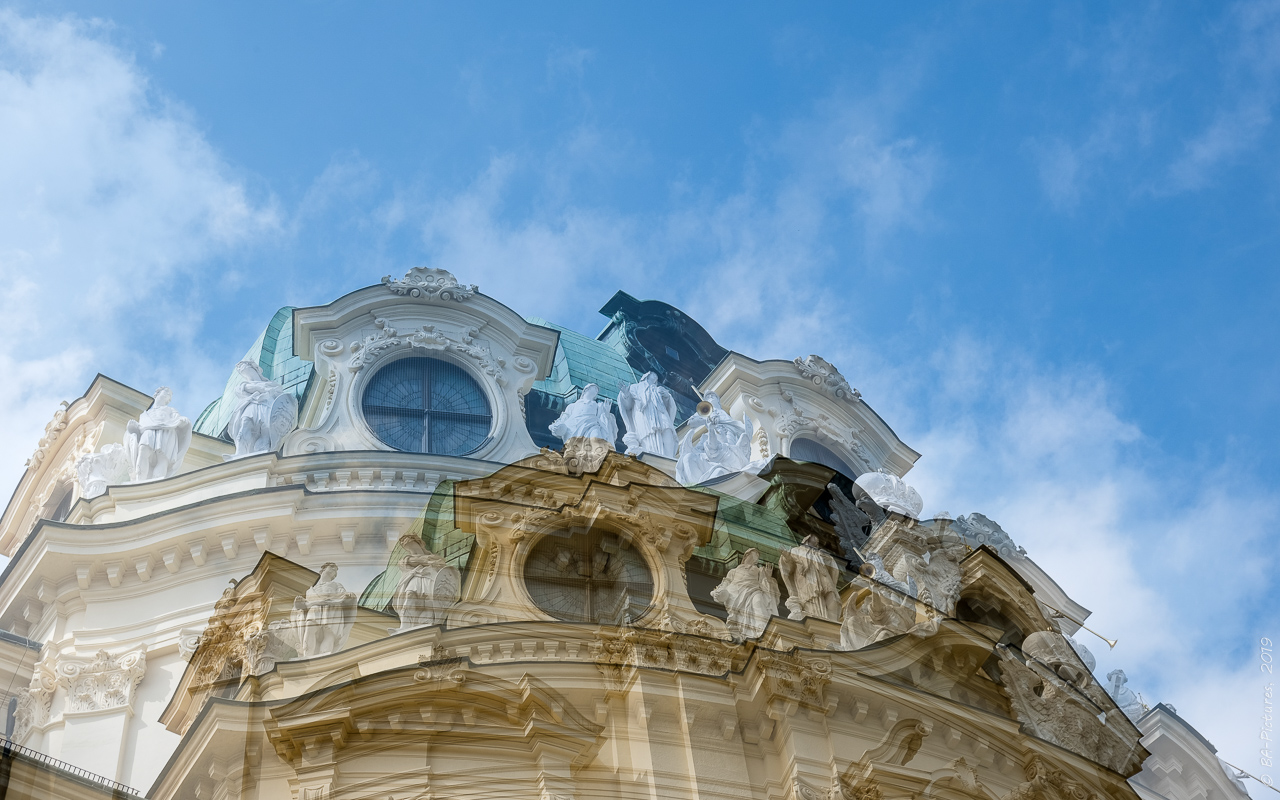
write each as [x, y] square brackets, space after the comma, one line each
[425, 405]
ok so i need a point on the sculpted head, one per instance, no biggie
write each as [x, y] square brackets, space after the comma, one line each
[328, 571]
[590, 392]
[713, 399]
[250, 371]
[750, 558]
[163, 396]
[1117, 677]
[650, 378]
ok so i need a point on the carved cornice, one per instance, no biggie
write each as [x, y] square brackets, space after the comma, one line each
[796, 679]
[430, 284]
[619, 651]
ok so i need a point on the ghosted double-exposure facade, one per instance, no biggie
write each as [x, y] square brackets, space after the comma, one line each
[426, 547]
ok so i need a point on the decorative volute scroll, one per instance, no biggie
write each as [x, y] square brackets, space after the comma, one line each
[978, 530]
[105, 683]
[52, 431]
[427, 283]
[824, 375]
[36, 701]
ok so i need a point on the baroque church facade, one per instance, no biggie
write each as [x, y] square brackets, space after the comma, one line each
[423, 546]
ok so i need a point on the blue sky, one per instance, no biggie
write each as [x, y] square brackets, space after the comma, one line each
[1041, 239]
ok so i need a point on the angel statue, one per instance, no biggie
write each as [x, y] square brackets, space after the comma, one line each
[108, 467]
[810, 574]
[264, 413]
[157, 441]
[427, 588]
[649, 410]
[587, 417]
[724, 449]
[750, 594]
[323, 618]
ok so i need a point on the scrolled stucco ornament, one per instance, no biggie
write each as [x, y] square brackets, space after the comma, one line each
[429, 283]
[108, 467]
[979, 530]
[824, 375]
[892, 493]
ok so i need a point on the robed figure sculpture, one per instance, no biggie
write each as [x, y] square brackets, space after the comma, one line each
[428, 586]
[810, 574]
[158, 439]
[587, 417]
[649, 411]
[323, 619]
[264, 412]
[750, 594]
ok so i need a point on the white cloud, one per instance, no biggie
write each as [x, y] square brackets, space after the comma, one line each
[112, 199]
[1177, 561]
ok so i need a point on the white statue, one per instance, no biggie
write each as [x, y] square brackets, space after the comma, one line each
[937, 574]
[892, 493]
[649, 411]
[264, 413]
[427, 588]
[875, 613]
[158, 439]
[723, 450]
[323, 618]
[108, 467]
[810, 574]
[1125, 698]
[587, 417]
[750, 594]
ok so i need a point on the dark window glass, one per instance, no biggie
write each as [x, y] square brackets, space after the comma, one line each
[425, 405]
[591, 577]
[63, 508]
[809, 450]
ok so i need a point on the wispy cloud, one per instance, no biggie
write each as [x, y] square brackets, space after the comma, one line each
[111, 198]
[1171, 557]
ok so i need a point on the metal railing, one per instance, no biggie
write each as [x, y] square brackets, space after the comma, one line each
[10, 747]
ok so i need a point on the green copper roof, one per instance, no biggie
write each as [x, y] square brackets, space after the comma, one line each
[581, 360]
[273, 353]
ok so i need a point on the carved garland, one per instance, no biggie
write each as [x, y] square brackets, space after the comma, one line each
[386, 338]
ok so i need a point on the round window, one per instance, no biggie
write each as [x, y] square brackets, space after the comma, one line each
[425, 405]
[588, 577]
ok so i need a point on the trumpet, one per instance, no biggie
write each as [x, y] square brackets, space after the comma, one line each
[703, 409]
